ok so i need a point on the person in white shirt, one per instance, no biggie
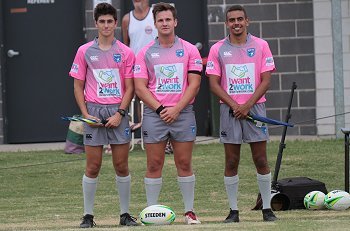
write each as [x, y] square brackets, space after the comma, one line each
[137, 31]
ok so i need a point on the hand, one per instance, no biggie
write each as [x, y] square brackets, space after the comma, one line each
[113, 121]
[169, 115]
[241, 111]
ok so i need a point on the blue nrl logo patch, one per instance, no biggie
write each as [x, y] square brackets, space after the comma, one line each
[117, 58]
[180, 53]
[251, 52]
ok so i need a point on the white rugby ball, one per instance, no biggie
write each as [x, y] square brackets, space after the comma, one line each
[314, 200]
[157, 215]
[337, 200]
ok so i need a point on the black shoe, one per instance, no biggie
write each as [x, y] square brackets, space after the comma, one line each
[88, 221]
[126, 219]
[233, 216]
[268, 215]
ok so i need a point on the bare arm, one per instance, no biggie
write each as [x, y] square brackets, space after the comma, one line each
[215, 87]
[79, 96]
[79, 86]
[145, 94]
[125, 29]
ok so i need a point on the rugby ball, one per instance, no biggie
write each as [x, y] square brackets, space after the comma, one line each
[314, 200]
[337, 200]
[157, 215]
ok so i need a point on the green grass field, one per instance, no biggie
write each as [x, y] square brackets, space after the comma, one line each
[42, 190]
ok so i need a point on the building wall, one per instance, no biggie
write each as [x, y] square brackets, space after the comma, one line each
[287, 25]
[324, 64]
[299, 33]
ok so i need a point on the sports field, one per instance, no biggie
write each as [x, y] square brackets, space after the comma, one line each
[42, 190]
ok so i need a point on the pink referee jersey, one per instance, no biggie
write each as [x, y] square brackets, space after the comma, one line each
[166, 69]
[240, 67]
[104, 72]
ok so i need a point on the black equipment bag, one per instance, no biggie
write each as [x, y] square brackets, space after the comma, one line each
[296, 189]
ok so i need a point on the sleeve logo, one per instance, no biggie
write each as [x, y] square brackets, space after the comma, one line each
[269, 61]
[137, 69]
[210, 65]
[75, 68]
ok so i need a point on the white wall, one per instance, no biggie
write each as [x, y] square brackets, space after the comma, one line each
[324, 64]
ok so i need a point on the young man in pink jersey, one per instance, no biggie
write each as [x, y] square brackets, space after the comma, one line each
[103, 88]
[167, 77]
[239, 69]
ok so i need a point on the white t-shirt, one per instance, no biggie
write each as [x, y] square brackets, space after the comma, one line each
[141, 32]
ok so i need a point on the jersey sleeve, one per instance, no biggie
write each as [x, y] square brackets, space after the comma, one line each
[195, 60]
[78, 69]
[268, 63]
[140, 68]
[213, 65]
[129, 65]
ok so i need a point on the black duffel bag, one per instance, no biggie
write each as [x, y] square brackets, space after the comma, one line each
[289, 193]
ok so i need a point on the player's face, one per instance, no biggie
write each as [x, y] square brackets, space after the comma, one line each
[165, 23]
[106, 25]
[236, 22]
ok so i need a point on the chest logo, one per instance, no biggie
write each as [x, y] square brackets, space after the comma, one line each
[117, 58]
[251, 52]
[180, 53]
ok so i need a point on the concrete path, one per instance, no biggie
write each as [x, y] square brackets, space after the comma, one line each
[60, 145]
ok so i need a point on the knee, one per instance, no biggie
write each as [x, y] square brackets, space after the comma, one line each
[154, 165]
[92, 170]
[121, 168]
[261, 162]
[184, 165]
[231, 164]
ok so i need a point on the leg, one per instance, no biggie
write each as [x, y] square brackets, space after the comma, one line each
[231, 179]
[120, 154]
[183, 157]
[232, 157]
[259, 157]
[263, 177]
[186, 179]
[89, 182]
[120, 162]
[263, 172]
[155, 162]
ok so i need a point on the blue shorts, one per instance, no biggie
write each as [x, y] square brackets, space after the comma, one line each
[155, 130]
[101, 135]
[237, 131]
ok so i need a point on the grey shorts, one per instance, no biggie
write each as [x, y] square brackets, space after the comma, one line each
[236, 131]
[101, 135]
[155, 130]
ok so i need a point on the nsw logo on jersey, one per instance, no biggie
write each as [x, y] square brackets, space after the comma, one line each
[117, 58]
[75, 68]
[198, 62]
[137, 69]
[269, 61]
[251, 52]
[210, 65]
[180, 52]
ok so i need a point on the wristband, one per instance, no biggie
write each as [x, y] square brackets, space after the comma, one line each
[159, 109]
[122, 112]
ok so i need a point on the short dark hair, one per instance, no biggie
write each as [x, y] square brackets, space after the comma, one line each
[104, 9]
[236, 7]
[162, 6]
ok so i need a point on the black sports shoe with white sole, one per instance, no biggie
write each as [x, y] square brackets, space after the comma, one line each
[127, 220]
[268, 215]
[88, 221]
[233, 216]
